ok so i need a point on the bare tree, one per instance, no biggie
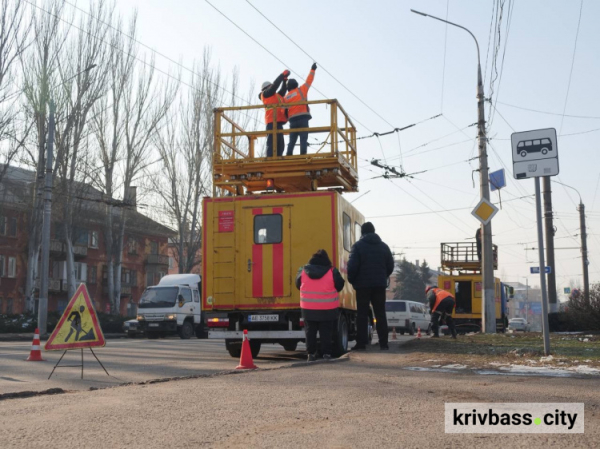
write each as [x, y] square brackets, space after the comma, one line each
[14, 33]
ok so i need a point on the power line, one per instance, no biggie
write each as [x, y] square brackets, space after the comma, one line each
[320, 65]
[549, 113]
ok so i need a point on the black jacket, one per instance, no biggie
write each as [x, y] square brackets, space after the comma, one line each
[371, 262]
[270, 91]
[317, 271]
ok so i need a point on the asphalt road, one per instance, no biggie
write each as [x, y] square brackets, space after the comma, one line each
[127, 360]
[366, 402]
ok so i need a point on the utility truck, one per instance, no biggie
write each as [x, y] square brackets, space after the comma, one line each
[266, 217]
[172, 307]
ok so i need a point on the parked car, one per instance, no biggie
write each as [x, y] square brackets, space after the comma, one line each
[518, 324]
[132, 328]
[407, 316]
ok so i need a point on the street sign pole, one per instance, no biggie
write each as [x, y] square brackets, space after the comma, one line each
[545, 327]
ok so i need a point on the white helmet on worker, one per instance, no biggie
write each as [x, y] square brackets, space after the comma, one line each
[265, 85]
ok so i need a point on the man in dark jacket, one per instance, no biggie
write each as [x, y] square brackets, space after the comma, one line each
[370, 265]
[319, 283]
[270, 96]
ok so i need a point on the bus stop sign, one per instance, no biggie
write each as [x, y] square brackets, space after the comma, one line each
[534, 153]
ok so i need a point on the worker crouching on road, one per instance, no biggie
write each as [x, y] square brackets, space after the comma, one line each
[441, 305]
[270, 96]
[319, 283]
[299, 115]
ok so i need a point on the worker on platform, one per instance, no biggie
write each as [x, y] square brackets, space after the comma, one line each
[369, 266]
[269, 96]
[441, 305]
[478, 242]
[319, 283]
[299, 115]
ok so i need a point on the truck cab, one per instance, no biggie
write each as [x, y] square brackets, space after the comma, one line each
[172, 307]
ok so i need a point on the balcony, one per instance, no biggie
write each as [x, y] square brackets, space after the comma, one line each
[157, 259]
[58, 250]
[53, 285]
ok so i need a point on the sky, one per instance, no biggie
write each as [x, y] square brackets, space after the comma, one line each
[408, 68]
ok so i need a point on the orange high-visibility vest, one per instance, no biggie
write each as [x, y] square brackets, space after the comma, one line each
[318, 294]
[297, 95]
[281, 118]
[440, 295]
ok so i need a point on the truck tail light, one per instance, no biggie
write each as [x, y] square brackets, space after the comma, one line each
[218, 322]
[301, 322]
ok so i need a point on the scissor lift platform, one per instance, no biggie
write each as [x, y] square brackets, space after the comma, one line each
[462, 257]
[239, 170]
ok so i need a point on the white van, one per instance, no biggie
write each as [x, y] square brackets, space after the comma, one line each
[407, 316]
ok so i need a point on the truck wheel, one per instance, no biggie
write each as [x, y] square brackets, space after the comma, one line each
[186, 331]
[255, 348]
[340, 337]
[234, 348]
[412, 330]
[290, 345]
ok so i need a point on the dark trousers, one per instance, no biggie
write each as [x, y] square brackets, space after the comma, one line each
[280, 142]
[443, 311]
[299, 123]
[325, 329]
[376, 298]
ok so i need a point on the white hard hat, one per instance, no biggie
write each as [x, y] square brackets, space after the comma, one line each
[265, 85]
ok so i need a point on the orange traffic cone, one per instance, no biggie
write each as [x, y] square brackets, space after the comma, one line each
[419, 332]
[246, 361]
[394, 336]
[35, 355]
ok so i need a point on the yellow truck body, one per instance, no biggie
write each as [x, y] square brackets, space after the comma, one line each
[253, 246]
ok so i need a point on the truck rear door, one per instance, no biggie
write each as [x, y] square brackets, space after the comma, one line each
[268, 250]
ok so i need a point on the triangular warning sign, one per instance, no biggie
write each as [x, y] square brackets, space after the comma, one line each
[78, 326]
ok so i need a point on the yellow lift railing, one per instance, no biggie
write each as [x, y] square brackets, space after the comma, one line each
[238, 168]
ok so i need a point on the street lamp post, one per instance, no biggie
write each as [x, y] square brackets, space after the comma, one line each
[489, 304]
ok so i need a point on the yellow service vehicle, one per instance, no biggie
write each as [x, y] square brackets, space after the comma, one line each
[266, 217]
[462, 278]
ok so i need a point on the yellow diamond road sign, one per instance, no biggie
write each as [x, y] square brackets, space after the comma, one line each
[484, 211]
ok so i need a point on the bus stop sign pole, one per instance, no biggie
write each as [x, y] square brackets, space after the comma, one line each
[538, 207]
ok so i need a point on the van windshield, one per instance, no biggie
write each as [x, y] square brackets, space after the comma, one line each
[395, 306]
[159, 297]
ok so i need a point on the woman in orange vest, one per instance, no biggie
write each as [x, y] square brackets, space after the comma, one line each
[299, 115]
[441, 305]
[319, 283]
[269, 96]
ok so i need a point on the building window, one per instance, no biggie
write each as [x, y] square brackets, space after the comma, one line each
[2, 266]
[9, 306]
[171, 263]
[93, 243]
[131, 246]
[12, 267]
[347, 232]
[81, 271]
[357, 232]
[125, 276]
[149, 279]
[153, 247]
[3, 225]
[12, 227]
[132, 278]
[80, 237]
[268, 229]
[93, 274]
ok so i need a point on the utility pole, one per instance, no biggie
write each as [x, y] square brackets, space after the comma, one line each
[538, 207]
[487, 274]
[584, 255]
[552, 296]
[45, 265]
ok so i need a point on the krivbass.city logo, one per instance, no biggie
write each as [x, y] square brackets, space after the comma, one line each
[478, 417]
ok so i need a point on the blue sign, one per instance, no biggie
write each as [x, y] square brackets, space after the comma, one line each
[567, 290]
[497, 180]
[535, 308]
[536, 270]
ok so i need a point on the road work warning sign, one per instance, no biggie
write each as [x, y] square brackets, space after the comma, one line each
[78, 326]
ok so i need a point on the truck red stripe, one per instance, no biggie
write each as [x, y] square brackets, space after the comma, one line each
[257, 264]
[278, 261]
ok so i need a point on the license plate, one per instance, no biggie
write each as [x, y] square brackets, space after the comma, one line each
[153, 325]
[262, 318]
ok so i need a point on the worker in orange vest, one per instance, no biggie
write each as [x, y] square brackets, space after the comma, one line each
[269, 96]
[299, 115]
[319, 283]
[441, 305]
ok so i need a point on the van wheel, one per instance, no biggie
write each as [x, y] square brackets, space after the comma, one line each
[523, 153]
[290, 345]
[401, 332]
[234, 348]
[340, 337]
[254, 348]
[544, 151]
[412, 329]
[186, 331]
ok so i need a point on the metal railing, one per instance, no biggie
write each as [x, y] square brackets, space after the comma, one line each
[157, 259]
[237, 143]
[464, 255]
